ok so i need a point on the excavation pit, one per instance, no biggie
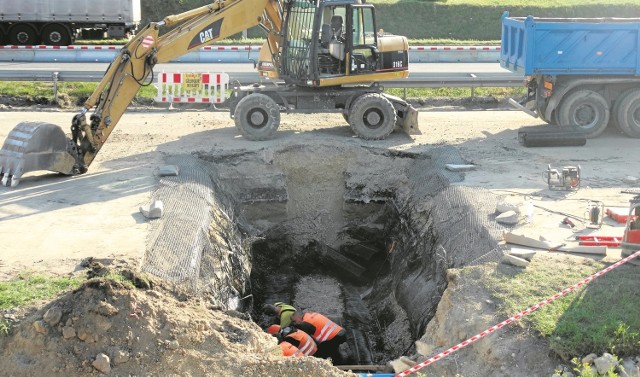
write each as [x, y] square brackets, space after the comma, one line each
[363, 235]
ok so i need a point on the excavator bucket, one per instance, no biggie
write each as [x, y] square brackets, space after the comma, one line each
[33, 146]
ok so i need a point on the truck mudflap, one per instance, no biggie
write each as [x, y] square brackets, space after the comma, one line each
[33, 146]
[407, 115]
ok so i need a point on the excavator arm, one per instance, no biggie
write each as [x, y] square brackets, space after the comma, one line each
[40, 146]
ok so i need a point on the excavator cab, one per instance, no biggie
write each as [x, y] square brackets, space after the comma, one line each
[332, 43]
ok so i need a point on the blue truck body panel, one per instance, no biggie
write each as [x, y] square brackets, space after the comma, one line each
[555, 46]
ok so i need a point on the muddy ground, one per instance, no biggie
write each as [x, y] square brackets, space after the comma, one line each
[51, 224]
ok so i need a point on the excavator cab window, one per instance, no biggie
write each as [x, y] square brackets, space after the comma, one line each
[364, 50]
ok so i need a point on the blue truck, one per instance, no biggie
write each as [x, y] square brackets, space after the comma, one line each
[580, 72]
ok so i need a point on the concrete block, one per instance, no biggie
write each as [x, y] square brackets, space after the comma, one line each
[523, 253]
[459, 167]
[154, 210]
[515, 261]
[504, 206]
[169, 171]
[509, 217]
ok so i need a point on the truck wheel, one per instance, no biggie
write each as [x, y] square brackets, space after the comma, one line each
[628, 113]
[56, 35]
[372, 117]
[257, 116]
[3, 37]
[585, 109]
[23, 34]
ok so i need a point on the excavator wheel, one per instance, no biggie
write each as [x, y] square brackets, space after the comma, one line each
[33, 146]
[372, 117]
[257, 116]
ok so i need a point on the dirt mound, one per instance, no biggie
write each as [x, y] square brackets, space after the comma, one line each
[114, 328]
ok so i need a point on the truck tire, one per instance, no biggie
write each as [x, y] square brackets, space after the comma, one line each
[23, 34]
[3, 36]
[587, 110]
[56, 35]
[628, 113]
[257, 116]
[372, 117]
[615, 109]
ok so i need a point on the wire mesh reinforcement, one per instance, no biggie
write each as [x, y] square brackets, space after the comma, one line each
[196, 245]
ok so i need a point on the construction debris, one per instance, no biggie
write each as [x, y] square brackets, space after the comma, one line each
[553, 246]
[523, 253]
[168, 171]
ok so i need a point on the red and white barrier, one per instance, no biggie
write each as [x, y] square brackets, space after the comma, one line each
[190, 87]
[516, 317]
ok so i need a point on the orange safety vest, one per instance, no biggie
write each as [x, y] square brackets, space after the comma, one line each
[307, 346]
[289, 349]
[326, 329]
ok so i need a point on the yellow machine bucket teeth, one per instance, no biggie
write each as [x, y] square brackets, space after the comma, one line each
[33, 146]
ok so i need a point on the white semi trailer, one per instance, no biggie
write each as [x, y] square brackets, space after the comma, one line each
[57, 22]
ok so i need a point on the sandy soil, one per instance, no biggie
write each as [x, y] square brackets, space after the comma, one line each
[97, 214]
[51, 223]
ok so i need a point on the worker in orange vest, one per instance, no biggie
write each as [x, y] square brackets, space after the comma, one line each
[281, 311]
[298, 343]
[327, 334]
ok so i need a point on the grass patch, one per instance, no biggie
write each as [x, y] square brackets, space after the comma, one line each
[76, 92]
[498, 93]
[600, 317]
[29, 288]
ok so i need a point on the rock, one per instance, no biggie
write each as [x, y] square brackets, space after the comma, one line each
[604, 363]
[630, 368]
[556, 375]
[568, 374]
[401, 364]
[515, 261]
[86, 337]
[68, 332]
[53, 316]
[102, 363]
[121, 357]
[105, 309]
[168, 171]
[505, 206]
[173, 345]
[153, 210]
[40, 327]
[589, 358]
[509, 217]
[423, 348]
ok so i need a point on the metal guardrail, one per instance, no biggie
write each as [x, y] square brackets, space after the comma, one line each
[417, 80]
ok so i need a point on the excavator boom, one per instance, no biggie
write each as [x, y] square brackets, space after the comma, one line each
[42, 146]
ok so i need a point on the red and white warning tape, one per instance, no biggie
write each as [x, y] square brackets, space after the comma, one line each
[243, 48]
[516, 317]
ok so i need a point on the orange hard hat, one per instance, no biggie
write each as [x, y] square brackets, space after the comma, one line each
[273, 329]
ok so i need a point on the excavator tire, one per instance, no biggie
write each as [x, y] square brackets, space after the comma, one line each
[257, 116]
[372, 117]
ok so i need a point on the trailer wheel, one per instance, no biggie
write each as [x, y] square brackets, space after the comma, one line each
[587, 110]
[257, 116]
[3, 37]
[23, 34]
[372, 117]
[56, 35]
[628, 113]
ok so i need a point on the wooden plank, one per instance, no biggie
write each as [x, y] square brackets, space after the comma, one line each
[531, 242]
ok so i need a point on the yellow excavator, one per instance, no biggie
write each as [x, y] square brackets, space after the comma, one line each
[327, 52]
